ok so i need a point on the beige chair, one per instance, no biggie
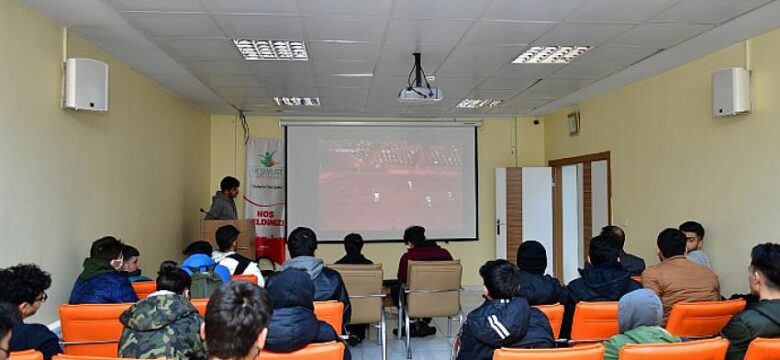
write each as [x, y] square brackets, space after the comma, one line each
[366, 295]
[433, 290]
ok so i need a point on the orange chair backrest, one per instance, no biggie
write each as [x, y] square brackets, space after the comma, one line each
[331, 312]
[589, 352]
[91, 329]
[710, 349]
[250, 278]
[200, 304]
[595, 321]
[333, 350]
[144, 288]
[78, 357]
[763, 349]
[26, 355]
[554, 315]
[702, 319]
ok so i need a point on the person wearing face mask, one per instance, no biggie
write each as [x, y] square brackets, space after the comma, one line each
[165, 324]
[101, 282]
[130, 264]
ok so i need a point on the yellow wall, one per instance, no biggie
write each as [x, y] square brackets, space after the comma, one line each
[495, 139]
[139, 171]
[672, 161]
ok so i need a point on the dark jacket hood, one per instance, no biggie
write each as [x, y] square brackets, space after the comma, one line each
[157, 312]
[770, 309]
[540, 289]
[291, 287]
[607, 281]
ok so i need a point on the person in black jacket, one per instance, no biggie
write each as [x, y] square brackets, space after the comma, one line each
[353, 245]
[293, 323]
[9, 317]
[633, 264]
[328, 284]
[535, 286]
[24, 286]
[763, 318]
[504, 319]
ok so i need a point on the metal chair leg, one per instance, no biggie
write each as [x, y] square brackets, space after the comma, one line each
[383, 336]
[408, 337]
[400, 314]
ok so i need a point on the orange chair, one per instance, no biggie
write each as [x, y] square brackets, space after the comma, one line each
[594, 321]
[702, 319]
[588, 352]
[710, 349]
[331, 312]
[77, 357]
[763, 349]
[250, 278]
[144, 288]
[554, 314]
[91, 329]
[200, 304]
[333, 350]
[26, 355]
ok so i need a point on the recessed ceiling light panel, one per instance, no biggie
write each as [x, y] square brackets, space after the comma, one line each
[550, 54]
[297, 101]
[478, 103]
[272, 49]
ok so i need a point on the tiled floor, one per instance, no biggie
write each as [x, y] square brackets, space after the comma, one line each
[437, 347]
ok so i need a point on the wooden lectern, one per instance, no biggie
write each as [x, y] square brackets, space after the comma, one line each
[246, 239]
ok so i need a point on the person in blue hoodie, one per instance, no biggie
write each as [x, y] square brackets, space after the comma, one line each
[101, 282]
[504, 319]
[199, 257]
[293, 323]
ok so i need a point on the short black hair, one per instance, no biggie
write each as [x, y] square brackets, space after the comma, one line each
[602, 251]
[23, 283]
[302, 242]
[500, 278]
[229, 183]
[236, 314]
[225, 236]
[106, 248]
[617, 234]
[353, 243]
[9, 317]
[129, 251]
[694, 227]
[671, 242]
[172, 278]
[198, 247]
[766, 259]
[414, 235]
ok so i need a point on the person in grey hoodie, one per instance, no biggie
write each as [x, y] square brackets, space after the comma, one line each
[328, 284]
[639, 319]
[223, 205]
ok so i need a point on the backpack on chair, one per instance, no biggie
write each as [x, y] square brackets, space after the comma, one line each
[204, 282]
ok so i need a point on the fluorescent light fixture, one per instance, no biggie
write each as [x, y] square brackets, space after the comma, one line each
[272, 49]
[479, 103]
[550, 54]
[297, 101]
[358, 75]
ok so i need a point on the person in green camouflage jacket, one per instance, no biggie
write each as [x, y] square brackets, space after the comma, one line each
[165, 324]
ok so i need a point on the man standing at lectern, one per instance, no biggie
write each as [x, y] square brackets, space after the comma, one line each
[223, 205]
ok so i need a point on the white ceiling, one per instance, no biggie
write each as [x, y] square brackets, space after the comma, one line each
[185, 46]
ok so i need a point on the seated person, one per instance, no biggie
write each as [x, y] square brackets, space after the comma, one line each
[504, 319]
[199, 259]
[633, 264]
[328, 285]
[293, 324]
[676, 278]
[536, 287]
[236, 321]
[420, 249]
[165, 324]
[694, 233]
[639, 319]
[353, 245]
[226, 256]
[130, 264]
[763, 319]
[24, 286]
[9, 317]
[101, 282]
[605, 280]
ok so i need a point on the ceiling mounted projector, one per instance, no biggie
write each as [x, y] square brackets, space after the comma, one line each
[415, 93]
